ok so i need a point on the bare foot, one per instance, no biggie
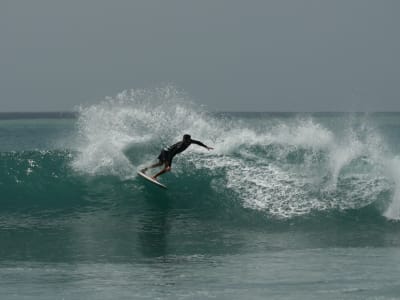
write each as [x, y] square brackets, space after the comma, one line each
[154, 178]
[143, 170]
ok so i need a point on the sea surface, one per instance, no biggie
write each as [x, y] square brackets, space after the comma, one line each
[287, 205]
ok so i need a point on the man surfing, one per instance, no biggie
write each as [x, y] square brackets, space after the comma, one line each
[168, 153]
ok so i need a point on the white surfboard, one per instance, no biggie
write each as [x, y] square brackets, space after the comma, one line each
[151, 179]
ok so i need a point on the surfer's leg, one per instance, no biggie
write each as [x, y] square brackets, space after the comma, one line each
[152, 166]
[162, 159]
[166, 168]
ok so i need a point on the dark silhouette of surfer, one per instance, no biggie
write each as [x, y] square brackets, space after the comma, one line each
[168, 153]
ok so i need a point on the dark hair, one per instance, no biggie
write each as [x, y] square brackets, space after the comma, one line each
[186, 137]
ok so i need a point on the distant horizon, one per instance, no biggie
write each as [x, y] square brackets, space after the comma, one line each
[72, 113]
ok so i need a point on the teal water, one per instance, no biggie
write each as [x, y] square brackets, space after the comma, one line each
[287, 206]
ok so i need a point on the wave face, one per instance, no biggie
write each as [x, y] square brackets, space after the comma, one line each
[279, 166]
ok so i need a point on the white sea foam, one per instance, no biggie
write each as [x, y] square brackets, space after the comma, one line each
[286, 190]
[393, 170]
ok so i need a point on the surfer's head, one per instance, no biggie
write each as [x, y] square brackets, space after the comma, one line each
[186, 137]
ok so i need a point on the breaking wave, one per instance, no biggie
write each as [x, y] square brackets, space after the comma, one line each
[282, 167]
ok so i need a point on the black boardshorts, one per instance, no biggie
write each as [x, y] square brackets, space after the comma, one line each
[165, 157]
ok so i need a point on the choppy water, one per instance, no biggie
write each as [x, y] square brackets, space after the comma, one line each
[287, 205]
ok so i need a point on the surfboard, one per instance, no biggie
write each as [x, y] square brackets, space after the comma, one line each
[151, 179]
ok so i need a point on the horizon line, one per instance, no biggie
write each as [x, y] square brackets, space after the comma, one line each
[215, 111]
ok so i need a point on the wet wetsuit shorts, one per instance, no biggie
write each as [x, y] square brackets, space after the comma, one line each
[166, 156]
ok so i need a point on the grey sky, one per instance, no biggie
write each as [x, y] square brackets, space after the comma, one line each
[281, 55]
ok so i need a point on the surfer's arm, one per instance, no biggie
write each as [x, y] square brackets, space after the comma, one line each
[201, 144]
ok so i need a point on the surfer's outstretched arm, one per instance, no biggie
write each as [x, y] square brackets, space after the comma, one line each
[201, 144]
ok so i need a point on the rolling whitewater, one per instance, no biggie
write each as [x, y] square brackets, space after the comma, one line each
[291, 202]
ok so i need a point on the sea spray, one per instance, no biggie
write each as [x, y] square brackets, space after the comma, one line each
[148, 119]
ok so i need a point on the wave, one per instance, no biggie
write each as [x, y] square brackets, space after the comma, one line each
[280, 167]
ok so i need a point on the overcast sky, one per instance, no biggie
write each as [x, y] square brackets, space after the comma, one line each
[281, 55]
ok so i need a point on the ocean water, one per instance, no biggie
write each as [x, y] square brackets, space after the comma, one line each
[287, 206]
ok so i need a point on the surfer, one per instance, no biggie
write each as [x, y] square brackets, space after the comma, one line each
[168, 153]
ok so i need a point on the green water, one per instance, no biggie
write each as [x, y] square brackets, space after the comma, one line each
[286, 207]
